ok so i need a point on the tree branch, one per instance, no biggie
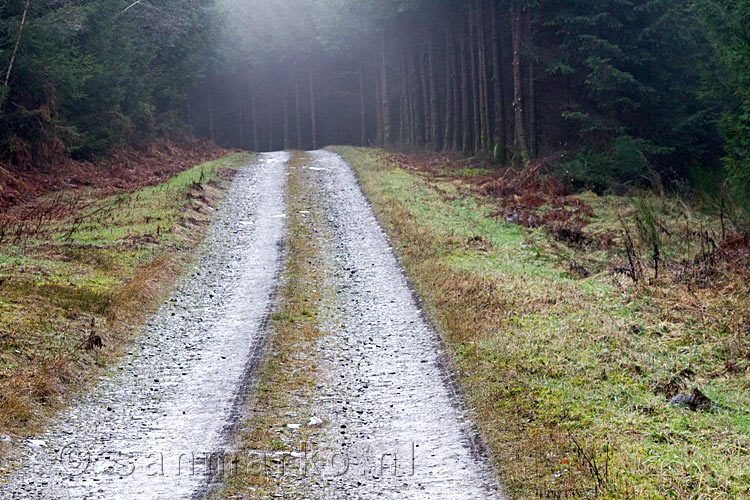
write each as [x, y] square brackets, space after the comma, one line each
[130, 7]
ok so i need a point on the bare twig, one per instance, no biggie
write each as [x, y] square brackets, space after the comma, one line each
[631, 251]
[138, 2]
[18, 43]
[591, 463]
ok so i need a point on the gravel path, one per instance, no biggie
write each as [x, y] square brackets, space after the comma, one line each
[146, 432]
[396, 428]
[392, 427]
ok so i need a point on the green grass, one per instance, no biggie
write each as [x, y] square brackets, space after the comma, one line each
[471, 171]
[548, 360]
[150, 211]
[104, 277]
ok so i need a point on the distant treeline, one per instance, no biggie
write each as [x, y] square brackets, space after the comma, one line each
[611, 91]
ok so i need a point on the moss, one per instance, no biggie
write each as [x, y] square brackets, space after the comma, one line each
[471, 171]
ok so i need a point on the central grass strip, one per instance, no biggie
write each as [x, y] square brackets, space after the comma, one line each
[280, 403]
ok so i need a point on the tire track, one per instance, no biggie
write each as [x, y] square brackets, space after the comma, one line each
[151, 431]
[389, 405]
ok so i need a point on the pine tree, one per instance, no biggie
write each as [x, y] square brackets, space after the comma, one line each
[728, 21]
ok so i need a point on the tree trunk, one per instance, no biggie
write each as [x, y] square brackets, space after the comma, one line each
[255, 122]
[532, 109]
[497, 84]
[403, 125]
[313, 118]
[297, 111]
[384, 94]
[378, 113]
[210, 103]
[411, 95]
[407, 106]
[485, 104]
[287, 140]
[465, 99]
[419, 108]
[270, 122]
[520, 133]
[480, 74]
[18, 42]
[448, 93]
[474, 83]
[189, 103]
[456, 99]
[434, 112]
[424, 132]
[240, 119]
[362, 116]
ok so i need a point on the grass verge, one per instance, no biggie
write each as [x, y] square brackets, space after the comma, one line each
[568, 373]
[70, 299]
[279, 405]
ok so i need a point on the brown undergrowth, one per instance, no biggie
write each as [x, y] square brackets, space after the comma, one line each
[570, 363]
[72, 295]
[124, 169]
[526, 195]
[33, 200]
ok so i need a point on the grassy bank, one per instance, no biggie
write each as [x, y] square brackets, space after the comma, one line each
[74, 291]
[568, 363]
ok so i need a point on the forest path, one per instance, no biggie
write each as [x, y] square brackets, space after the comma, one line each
[392, 424]
[146, 431]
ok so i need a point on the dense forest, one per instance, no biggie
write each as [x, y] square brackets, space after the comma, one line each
[607, 93]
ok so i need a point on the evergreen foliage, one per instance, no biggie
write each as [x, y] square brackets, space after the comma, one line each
[729, 23]
[92, 73]
[617, 88]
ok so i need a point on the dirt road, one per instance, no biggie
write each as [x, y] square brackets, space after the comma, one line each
[150, 431]
[145, 432]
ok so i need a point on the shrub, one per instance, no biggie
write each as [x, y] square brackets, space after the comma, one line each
[622, 166]
[738, 174]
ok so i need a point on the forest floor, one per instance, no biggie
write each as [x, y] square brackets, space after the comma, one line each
[85, 259]
[569, 343]
[124, 169]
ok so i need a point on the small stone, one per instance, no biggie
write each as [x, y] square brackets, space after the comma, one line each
[696, 400]
[314, 422]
